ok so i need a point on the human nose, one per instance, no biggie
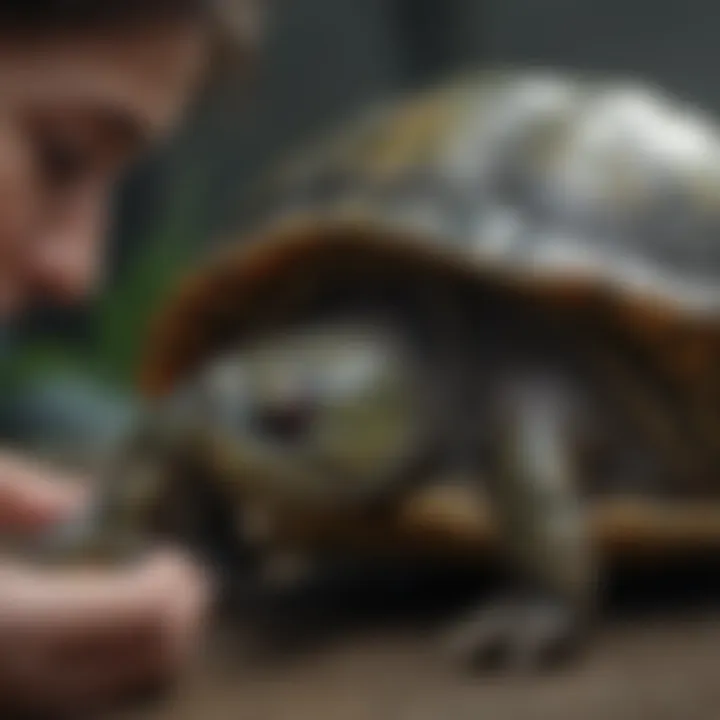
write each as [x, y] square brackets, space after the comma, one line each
[66, 263]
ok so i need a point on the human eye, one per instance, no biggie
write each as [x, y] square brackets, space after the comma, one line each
[63, 162]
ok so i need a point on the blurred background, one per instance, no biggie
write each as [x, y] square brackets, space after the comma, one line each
[68, 377]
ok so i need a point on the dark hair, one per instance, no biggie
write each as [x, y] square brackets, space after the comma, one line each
[42, 15]
[232, 21]
[233, 25]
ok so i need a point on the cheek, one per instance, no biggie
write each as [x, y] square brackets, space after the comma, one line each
[18, 193]
[18, 218]
[66, 261]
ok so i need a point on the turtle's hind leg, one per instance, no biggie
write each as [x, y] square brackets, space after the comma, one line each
[541, 520]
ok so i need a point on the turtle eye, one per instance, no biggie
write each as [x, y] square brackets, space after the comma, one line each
[288, 423]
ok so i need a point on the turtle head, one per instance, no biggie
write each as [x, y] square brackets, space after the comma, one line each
[315, 415]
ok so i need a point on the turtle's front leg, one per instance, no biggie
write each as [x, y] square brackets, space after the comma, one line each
[544, 533]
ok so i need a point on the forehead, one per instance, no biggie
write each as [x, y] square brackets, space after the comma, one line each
[141, 77]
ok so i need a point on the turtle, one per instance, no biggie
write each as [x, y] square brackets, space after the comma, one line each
[477, 321]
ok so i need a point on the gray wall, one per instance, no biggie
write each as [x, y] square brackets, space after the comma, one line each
[327, 57]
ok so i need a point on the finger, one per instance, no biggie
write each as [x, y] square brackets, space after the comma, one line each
[111, 671]
[84, 604]
[186, 618]
[32, 496]
[174, 595]
[54, 688]
[121, 667]
[84, 665]
[148, 655]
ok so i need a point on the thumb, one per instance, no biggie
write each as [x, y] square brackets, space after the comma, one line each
[33, 497]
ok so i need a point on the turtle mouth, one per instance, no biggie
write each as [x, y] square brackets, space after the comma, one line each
[277, 469]
[250, 471]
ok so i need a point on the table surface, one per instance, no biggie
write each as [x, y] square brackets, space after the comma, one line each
[369, 652]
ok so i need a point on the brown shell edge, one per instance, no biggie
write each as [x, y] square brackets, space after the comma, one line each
[224, 292]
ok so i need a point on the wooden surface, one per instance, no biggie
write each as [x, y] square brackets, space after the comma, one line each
[369, 652]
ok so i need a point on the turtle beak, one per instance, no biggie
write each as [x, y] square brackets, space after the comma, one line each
[250, 470]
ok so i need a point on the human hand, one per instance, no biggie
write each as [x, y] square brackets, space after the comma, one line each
[76, 639]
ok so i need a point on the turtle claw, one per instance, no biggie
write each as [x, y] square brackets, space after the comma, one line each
[520, 635]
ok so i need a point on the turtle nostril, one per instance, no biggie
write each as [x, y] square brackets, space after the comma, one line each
[287, 423]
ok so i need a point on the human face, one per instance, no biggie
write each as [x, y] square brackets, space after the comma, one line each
[74, 111]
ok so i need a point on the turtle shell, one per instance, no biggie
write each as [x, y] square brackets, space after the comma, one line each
[590, 193]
